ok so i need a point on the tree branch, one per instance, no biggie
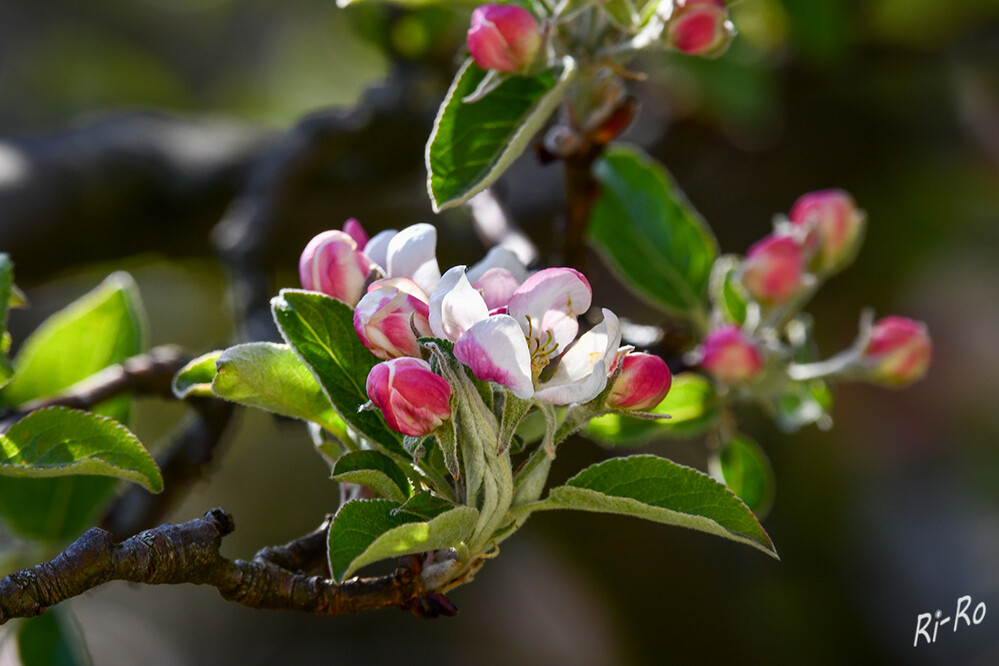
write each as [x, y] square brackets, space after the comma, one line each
[189, 553]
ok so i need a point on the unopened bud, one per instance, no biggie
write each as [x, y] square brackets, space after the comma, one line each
[413, 399]
[391, 316]
[834, 226]
[773, 269]
[332, 264]
[731, 356]
[503, 37]
[899, 351]
[642, 384]
[700, 27]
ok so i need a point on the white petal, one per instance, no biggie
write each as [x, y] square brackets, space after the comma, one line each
[581, 391]
[498, 257]
[455, 305]
[496, 351]
[412, 253]
[583, 367]
[552, 299]
[377, 247]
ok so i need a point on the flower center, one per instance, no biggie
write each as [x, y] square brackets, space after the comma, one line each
[542, 346]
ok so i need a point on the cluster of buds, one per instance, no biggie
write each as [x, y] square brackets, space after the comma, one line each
[509, 328]
[820, 237]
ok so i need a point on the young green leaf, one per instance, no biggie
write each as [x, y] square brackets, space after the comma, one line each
[803, 403]
[374, 470]
[195, 378]
[691, 404]
[651, 235]
[103, 327]
[663, 491]
[366, 531]
[320, 330]
[472, 144]
[425, 505]
[270, 376]
[6, 294]
[744, 468]
[727, 294]
[58, 441]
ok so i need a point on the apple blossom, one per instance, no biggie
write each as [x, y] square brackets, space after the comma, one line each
[390, 316]
[332, 264]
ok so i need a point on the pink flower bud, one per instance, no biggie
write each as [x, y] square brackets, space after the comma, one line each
[700, 27]
[413, 399]
[503, 37]
[899, 351]
[773, 268]
[731, 357]
[354, 229]
[332, 264]
[835, 222]
[643, 383]
[385, 318]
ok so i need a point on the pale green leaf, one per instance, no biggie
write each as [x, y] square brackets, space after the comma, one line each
[195, 378]
[58, 441]
[374, 470]
[660, 490]
[366, 531]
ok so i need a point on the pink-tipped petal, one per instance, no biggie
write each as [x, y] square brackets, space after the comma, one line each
[413, 399]
[495, 350]
[549, 301]
[455, 305]
[496, 286]
[389, 321]
[354, 229]
[332, 265]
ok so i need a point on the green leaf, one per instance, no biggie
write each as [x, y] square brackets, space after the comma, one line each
[6, 297]
[727, 294]
[425, 505]
[321, 331]
[366, 531]
[103, 327]
[803, 403]
[51, 639]
[58, 441]
[744, 468]
[374, 470]
[272, 377]
[472, 144]
[691, 404]
[663, 491]
[195, 378]
[651, 235]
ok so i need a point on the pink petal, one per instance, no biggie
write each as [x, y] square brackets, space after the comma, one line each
[552, 299]
[496, 351]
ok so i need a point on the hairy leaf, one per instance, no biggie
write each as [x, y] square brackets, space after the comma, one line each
[650, 234]
[473, 143]
[366, 531]
[195, 378]
[374, 470]
[103, 327]
[663, 491]
[58, 441]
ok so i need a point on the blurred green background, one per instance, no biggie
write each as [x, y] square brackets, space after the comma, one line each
[892, 513]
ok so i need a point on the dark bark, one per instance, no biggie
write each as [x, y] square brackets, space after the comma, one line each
[189, 553]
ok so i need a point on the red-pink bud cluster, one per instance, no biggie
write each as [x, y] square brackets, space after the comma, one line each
[773, 269]
[834, 226]
[899, 351]
[731, 357]
[503, 37]
[700, 27]
[642, 384]
[414, 400]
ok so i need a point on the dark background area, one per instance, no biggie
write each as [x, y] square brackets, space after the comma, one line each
[129, 128]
